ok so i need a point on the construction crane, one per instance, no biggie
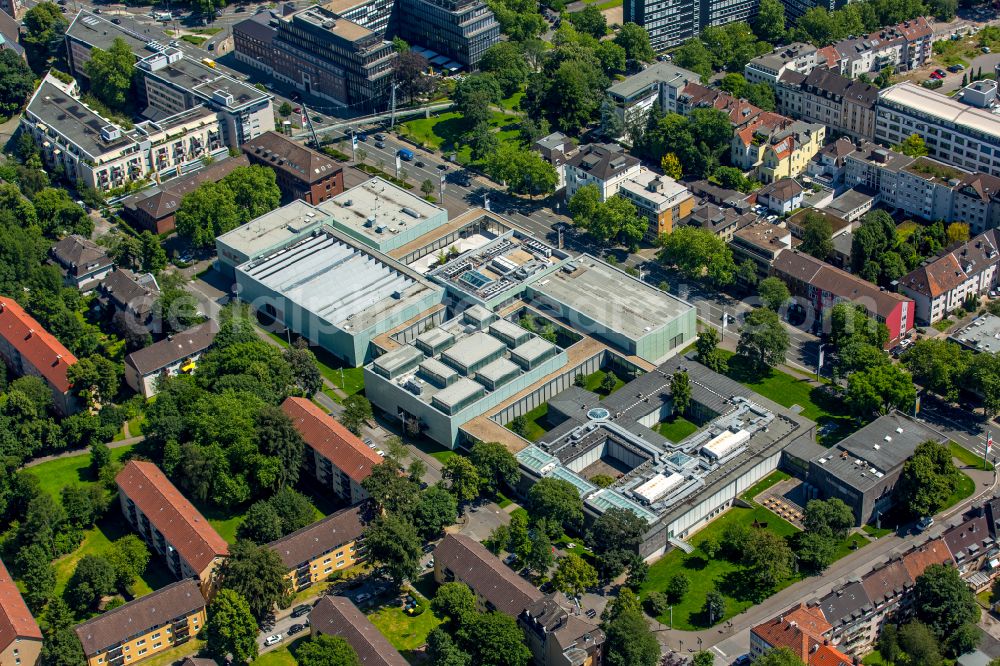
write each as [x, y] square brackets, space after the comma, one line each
[312, 130]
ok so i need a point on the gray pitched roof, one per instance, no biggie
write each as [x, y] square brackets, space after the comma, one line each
[175, 348]
[338, 616]
[485, 574]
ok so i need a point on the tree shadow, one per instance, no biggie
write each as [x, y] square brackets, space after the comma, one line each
[745, 371]
[741, 585]
[695, 562]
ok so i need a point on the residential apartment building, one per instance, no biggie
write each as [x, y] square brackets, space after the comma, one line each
[781, 196]
[660, 83]
[301, 172]
[955, 133]
[459, 558]
[320, 53]
[604, 165]
[334, 456]
[903, 47]
[761, 244]
[829, 163]
[555, 149]
[829, 98]
[134, 296]
[170, 524]
[154, 208]
[748, 144]
[83, 261]
[28, 349]
[560, 637]
[944, 283]
[660, 199]
[696, 96]
[318, 551]
[789, 151]
[803, 630]
[976, 201]
[20, 637]
[144, 627]
[338, 616]
[769, 68]
[176, 354]
[823, 286]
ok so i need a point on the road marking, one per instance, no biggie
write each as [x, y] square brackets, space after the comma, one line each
[721, 653]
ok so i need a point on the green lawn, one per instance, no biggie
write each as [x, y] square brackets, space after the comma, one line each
[512, 102]
[786, 390]
[968, 457]
[677, 429]
[433, 449]
[349, 380]
[444, 131]
[771, 479]
[577, 549]
[851, 544]
[873, 659]
[966, 487]
[706, 575]
[280, 657]
[593, 383]
[175, 655]
[876, 532]
[55, 474]
[943, 325]
[406, 633]
[535, 430]
[197, 40]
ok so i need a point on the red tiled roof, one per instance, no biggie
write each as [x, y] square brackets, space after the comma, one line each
[932, 552]
[917, 28]
[330, 439]
[36, 345]
[767, 122]
[800, 629]
[829, 656]
[16, 620]
[195, 540]
[830, 55]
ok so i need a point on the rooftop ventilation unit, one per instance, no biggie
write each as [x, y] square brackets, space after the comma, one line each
[111, 133]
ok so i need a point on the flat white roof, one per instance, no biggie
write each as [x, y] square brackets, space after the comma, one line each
[272, 229]
[386, 205]
[943, 107]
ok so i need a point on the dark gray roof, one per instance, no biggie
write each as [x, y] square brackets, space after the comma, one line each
[602, 160]
[10, 30]
[338, 616]
[80, 255]
[485, 574]
[128, 290]
[842, 605]
[319, 538]
[175, 348]
[163, 200]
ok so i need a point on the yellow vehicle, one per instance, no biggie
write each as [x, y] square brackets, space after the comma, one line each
[209, 62]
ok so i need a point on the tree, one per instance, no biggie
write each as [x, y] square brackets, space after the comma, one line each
[590, 21]
[617, 219]
[93, 578]
[231, 628]
[817, 234]
[630, 642]
[715, 607]
[436, 510]
[58, 214]
[463, 480]
[849, 321]
[207, 212]
[111, 72]
[703, 658]
[769, 24]
[83, 504]
[39, 578]
[393, 547]
[495, 464]
[44, 27]
[408, 71]
[708, 353]
[454, 601]
[518, 19]
[494, 639]
[443, 651]
[731, 177]
[957, 232]
[524, 171]
[302, 361]
[574, 576]
[780, 657]
[693, 55]
[879, 390]
[763, 339]
[153, 257]
[16, 83]
[95, 378]
[254, 190]
[912, 146]
[943, 601]
[773, 293]
[325, 650]
[831, 518]
[391, 490]
[261, 524]
[557, 502]
[583, 205]
[129, 556]
[671, 166]
[506, 62]
[657, 604]
[699, 254]
[278, 438]
[473, 97]
[635, 40]
[919, 644]
[768, 559]
[616, 529]
[61, 646]
[928, 478]
[938, 365]
[357, 412]
[680, 392]
[815, 551]
[538, 556]
[677, 587]
[255, 573]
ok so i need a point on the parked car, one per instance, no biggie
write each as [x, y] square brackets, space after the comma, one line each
[986, 49]
[955, 68]
[301, 609]
[272, 640]
[510, 559]
[362, 598]
[924, 523]
[295, 628]
[941, 72]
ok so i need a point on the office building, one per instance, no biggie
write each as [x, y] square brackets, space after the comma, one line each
[822, 286]
[944, 283]
[981, 335]
[769, 68]
[83, 261]
[176, 354]
[955, 133]
[301, 172]
[170, 524]
[676, 487]
[660, 199]
[144, 627]
[322, 549]
[20, 637]
[668, 22]
[458, 30]
[334, 456]
[794, 9]
[28, 349]
[660, 83]
[862, 469]
[338, 616]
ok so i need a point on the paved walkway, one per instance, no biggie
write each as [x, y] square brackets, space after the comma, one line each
[128, 441]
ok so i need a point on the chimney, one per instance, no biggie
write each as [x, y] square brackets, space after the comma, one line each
[30, 333]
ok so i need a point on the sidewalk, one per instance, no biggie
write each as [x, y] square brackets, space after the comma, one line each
[128, 441]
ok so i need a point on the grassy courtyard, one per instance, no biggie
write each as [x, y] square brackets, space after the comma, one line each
[718, 573]
[407, 633]
[676, 429]
[56, 474]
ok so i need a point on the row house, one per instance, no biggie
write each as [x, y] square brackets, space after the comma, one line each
[20, 637]
[944, 283]
[144, 627]
[823, 286]
[829, 98]
[170, 524]
[322, 549]
[28, 349]
[174, 355]
[903, 47]
[334, 456]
